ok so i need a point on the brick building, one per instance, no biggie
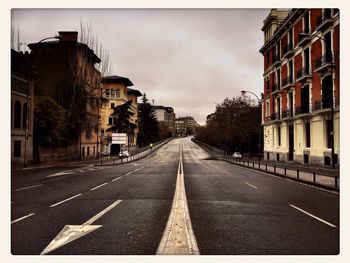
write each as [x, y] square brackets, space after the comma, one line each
[301, 85]
[22, 108]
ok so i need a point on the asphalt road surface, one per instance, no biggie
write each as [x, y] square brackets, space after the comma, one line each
[124, 209]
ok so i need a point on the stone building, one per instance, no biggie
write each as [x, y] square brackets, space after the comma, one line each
[67, 62]
[115, 92]
[167, 116]
[300, 106]
[22, 108]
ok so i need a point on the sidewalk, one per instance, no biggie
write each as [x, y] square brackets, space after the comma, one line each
[314, 175]
[101, 161]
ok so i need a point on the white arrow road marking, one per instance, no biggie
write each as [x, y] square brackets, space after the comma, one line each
[21, 218]
[72, 232]
[65, 200]
[313, 216]
[28, 187]
[61, 173]
[178, 237]
[251, 185]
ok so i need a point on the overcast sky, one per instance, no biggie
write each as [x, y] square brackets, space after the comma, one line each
[189, 59]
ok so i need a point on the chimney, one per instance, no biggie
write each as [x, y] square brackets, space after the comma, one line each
[68, 36]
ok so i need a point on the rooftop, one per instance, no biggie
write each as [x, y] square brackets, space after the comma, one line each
[117, 79]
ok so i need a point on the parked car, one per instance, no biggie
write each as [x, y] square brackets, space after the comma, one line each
[124, 153]
[237, 155]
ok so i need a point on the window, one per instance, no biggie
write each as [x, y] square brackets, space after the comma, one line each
[290, 64]
[110, 120]
[306, 22]
[88, 151]
[17, 149]
[307, 60]
[112, 105]
[17, 117]
[290, 36]
[117, 93]
[94, 151]
[279, 135]
[267, 108]
[307, 135]
[24, 122]
[83, 151]
[107, 93]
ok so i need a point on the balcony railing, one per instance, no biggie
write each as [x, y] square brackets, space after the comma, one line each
[323, 19]
[325, 103]
[303, 109]
[275, 88]
[324, 62]
[287, 113]
[288, 81]
[303, 73]
[276, 116]
[288, 50]
[303, 39]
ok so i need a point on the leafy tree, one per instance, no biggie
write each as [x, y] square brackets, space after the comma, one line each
[148, 124]
[164, 131]
[49, 122]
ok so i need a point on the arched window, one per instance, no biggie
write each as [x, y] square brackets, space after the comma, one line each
[17, 115]
[25, 111]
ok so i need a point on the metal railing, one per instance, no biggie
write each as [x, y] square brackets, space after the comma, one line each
[325, 59]
[288, 81]
[325, 103]
[289, 47]
[303, 72]
[307, 176]
[287, 113]
[305, 108]
[325, 15]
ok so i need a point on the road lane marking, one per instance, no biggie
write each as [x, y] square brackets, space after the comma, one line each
[178, 237]
[92, 189]
[21, 218]
[28, 187]
[313, 216]
[66, 172]
[251, 185]
[72, 232]
[115, 179]
[128, 173]
[65, 200]
[81, 171]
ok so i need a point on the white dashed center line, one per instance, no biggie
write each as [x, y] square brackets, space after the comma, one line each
[21, 218]
[251, 185]
[65, 200]
[313, 216]
[28, 187]
[92, 189]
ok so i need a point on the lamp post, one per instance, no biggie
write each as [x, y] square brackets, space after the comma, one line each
[332, 104]
[259, 101]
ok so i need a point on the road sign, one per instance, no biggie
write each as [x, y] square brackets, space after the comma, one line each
[119, 138]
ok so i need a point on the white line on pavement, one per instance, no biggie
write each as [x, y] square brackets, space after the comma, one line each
[65, 200]
[251, 185]
[313, 216]
[21, 218]
[92, 189]
[128, 173]
[28, 187]
[79, 170]
[115, 179]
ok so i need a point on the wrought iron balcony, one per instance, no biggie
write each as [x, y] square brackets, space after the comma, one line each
[303, 73]
[287, 113]
[276, 60]
[288, 50]
[276, 116]
[275, 88]
[288, 82]
[303, 109]
[324, 62]
[325, 103]
[324, 19]
[304, 39]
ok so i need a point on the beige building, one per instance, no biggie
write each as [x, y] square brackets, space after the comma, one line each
[300, 107]
[115, 92]
[167, 116]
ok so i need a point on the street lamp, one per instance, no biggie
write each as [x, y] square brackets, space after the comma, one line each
[332, 106]
[259, 101]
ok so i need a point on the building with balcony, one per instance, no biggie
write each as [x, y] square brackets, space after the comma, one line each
[116, 92]
[167, 116]
[300, 105]
[66, 72]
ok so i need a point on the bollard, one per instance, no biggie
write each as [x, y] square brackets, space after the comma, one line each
[274, 168]
[314, 176]
[298, 174]
[285, 171]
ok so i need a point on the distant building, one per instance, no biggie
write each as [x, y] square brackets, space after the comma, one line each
[300, 106]
[185, 126]
[57, 63]
[22, 108]
[167, 116]
[115, 92]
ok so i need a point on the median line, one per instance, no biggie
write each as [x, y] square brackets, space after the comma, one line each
[21, 218]
[65, 200]
[115, 179]
[313, 216]
[28, 187]
[96, 187]
[178, 237]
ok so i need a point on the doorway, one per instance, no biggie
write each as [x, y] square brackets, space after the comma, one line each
[291, 142]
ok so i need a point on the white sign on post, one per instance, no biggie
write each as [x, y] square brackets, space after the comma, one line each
[119, 138]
